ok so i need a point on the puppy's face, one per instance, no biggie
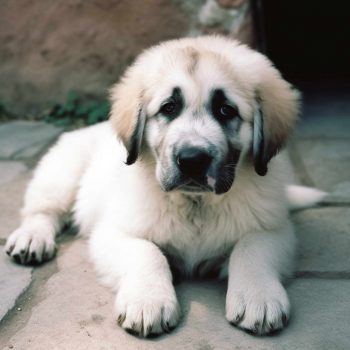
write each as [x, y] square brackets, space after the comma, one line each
[196, 128]
[200, 115]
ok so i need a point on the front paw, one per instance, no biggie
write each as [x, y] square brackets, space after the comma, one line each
[31, 246]
[148, 309]
[258, 310]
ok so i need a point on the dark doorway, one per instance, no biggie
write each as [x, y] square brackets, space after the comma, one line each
[308, 40]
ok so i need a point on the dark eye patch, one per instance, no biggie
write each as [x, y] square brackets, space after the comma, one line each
[173, 105]
[222, 108]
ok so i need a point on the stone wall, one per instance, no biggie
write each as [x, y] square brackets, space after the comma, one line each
[50, 47]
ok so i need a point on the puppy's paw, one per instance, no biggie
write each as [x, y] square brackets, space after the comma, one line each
[28, 246]
[147, 310]
[258, 310]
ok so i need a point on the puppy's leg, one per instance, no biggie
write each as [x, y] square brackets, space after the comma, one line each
[256, 300]
[146, 302]
[49, 195]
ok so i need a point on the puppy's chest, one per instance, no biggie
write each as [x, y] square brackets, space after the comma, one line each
[191, 215]
[193, 232]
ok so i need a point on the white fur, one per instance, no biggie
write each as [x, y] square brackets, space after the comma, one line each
[131, 221]
[128, 216]
[302, 197]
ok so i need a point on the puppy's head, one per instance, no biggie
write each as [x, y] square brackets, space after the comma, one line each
[201, 106]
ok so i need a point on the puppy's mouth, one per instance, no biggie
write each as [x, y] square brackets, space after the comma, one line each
[218, 184]
[195, 186]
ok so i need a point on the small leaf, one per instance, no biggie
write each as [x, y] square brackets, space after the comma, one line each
[62, 122]
[72, 97]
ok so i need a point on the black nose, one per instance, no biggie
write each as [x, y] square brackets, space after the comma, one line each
[194, 162]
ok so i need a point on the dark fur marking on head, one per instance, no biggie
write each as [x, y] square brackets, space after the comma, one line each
[176, 100]
[259, 154]
[263, 151]
[218, 100]
[228, 172]
[135, 139]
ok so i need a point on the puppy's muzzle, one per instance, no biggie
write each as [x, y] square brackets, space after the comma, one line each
[194, 162]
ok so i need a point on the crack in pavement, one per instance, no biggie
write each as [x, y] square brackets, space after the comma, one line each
[329, 275]
[18, 316]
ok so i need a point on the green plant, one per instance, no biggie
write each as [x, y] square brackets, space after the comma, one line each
[5, 114]
[78, 110]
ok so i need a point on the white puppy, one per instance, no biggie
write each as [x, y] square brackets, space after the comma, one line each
[199, 120]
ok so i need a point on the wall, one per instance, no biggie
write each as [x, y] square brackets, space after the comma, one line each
[50, 47]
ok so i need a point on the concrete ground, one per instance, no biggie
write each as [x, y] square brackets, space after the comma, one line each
[61, 305]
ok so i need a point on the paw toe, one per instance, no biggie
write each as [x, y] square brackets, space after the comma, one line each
[32, 248]
[258, 314]
[146, 317]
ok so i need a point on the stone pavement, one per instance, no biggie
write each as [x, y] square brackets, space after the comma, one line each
[61, 305]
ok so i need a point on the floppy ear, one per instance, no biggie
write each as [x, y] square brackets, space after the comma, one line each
[277, 108]
[128, 116]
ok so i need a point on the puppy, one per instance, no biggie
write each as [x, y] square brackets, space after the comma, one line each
[186, 171]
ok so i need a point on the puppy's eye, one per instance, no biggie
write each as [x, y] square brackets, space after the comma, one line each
[228, 112]
[168, 108]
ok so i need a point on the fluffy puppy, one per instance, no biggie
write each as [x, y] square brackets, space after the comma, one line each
[194, 180]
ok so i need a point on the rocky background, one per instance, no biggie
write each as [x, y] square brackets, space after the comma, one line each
[50, 48]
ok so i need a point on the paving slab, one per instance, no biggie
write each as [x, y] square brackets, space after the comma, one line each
[340, 194]
[323, 141]
[326, 161]
[10, 170]
[14, 280]
[317, 124]
[325, 115]
[324, 239]
[73, 311]
[11, 199]
[25, 139]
